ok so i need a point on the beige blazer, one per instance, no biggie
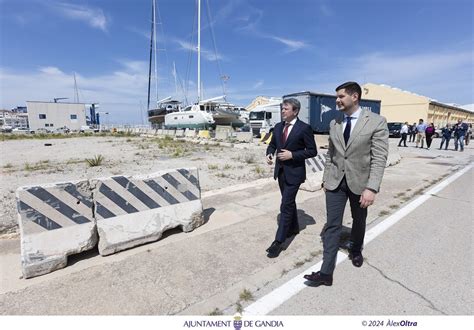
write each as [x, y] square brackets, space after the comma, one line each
[363, 160]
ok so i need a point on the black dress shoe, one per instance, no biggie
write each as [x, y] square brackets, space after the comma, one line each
[274, 250]
[357, 258]
[317, 279]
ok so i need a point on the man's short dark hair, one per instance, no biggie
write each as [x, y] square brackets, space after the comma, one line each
[351, 87]
[295, 104]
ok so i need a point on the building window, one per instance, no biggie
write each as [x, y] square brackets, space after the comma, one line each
[73, 117]
[42, 116]
[46, 125]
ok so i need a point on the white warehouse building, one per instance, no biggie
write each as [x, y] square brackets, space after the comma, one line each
[51, 115]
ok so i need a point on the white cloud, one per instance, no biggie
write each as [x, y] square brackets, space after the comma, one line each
[258, 84]
[207, 54]
[50, 70]
[446, 76]
[118, 93]
[292, 45]
[414, 66]
[95, 17]
[251, 21]
[143, 33]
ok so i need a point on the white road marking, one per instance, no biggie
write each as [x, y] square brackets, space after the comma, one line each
[283, 293]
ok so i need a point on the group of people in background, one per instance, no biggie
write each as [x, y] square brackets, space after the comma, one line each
[418, 133]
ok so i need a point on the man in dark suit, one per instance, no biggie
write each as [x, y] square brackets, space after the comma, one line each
[357, 155]
[293, 142]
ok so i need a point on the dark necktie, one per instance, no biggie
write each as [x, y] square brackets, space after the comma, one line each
[285, 133]
[347, 130]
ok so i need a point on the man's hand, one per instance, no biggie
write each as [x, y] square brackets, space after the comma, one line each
[269, 159]
[284, 155]
[367, 198]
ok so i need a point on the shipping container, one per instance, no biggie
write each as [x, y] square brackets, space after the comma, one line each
[319, 109]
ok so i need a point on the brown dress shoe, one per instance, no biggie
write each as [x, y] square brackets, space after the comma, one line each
[317, 279]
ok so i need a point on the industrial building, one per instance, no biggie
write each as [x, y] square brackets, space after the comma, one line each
[13, 119]
[52, 115]
[262, 100]
[402, 106]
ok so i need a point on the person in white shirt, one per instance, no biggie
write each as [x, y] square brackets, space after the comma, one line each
[404, 133]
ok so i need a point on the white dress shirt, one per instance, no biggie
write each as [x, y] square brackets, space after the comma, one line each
[404, 129]
[292, 123]
[354, 118]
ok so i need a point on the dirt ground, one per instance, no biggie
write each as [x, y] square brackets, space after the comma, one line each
[31, 162]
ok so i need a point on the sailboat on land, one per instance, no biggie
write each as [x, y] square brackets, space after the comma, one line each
[204, 113]
[156, 115]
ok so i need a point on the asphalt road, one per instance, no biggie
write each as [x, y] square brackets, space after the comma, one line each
[423, 265]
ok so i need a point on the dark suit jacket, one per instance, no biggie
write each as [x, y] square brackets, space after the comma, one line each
[301, 143]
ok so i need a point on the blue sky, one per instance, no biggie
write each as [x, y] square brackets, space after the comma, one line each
[266, 47]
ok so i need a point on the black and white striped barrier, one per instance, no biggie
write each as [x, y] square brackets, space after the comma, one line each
[134, 210]
[314, 173]
[315, 164]
[55, 221]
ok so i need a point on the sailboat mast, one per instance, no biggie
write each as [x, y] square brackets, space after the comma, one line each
[175, 78]
[154, 45]
[199, 51]
[151, 53]
[76, 90]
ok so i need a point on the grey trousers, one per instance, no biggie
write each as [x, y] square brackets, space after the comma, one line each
[336, 201]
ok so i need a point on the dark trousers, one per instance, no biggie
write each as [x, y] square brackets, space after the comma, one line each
[288, 213]
[443, 139]
[429, 139]
[412, 137]
[336, 201]
[403, 139]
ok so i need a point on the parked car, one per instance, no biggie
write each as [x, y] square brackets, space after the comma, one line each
[63, 130]
[20, 130]
[42, 130]
[88, 129]
[5, 129]
[394, 129]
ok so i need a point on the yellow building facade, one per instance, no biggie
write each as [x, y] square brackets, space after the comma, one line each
[402, 106]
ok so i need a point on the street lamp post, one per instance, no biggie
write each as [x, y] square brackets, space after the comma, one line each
[100, 125]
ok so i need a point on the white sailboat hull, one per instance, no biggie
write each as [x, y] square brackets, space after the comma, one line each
[189, 119]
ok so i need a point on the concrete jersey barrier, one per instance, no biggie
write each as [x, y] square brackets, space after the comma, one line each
[120, 212]
[55, 220]
[135, 210]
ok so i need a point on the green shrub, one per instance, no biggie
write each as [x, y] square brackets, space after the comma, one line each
[96, 161]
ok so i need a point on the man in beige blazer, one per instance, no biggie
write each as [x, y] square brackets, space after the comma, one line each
[357, 154]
